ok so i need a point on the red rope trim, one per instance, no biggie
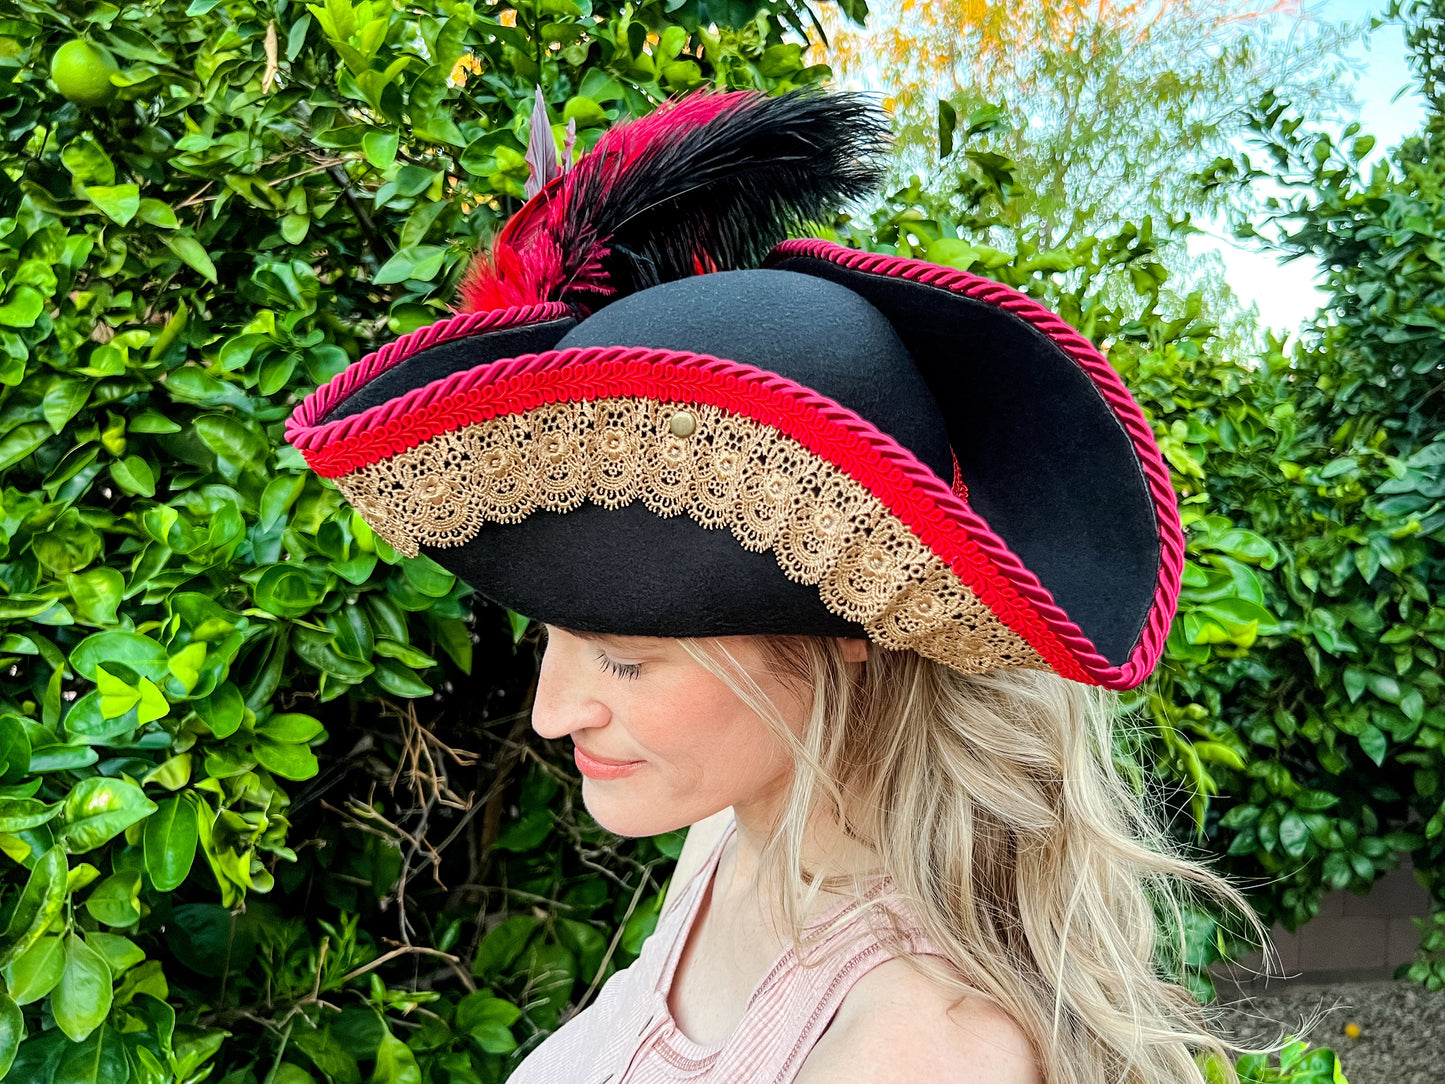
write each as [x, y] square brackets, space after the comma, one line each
[913, 493]
[340, 387]
[1088, 358]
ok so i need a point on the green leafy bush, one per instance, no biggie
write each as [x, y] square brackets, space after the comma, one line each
[1298, 712]
[260, 192]
[1345, 708]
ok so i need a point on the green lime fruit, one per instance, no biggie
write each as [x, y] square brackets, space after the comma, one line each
[82, 71]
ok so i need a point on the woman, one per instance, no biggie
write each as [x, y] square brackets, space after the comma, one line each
[828, 553]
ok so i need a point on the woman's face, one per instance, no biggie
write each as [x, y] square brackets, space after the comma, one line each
[661, 743]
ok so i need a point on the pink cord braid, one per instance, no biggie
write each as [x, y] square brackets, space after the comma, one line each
[1088, 358]
[340, 387]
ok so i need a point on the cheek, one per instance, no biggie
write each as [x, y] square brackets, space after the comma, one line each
[709, 739]
[739, 749]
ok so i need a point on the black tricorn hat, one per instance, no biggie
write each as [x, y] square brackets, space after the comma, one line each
[659, 421]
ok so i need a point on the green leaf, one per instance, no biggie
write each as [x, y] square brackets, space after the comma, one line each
[155, 213]
[151, 422]
[380, 148]
[87, 720]
[397, 679]
[14, 750]
[420, 262]
[1384, 686]
[23, 439]
[1353, 679]
[232, 439]
[81, 877]
[294, 228]
[1413, 705]
[1374, 743]
[947, 123]
[185, 665]
[61, 758]
[287, 591]
[172, 773]
[169, 843]
[116, 900]
[81, 1000]
[280, 493]
[12, 1031]
[223, 710]
[285, 759]
[64, 400]
[100, 1059]
[428, 577]
[395, 1063]
[289, 1073]
[326, 1050]
[488, 1020]
[502, 945]
[24, 307]
[97, 594]
[98, 809]
[116, 697]
[140, 653]
[191, 252]
[118, 202]
[33, 974]
[404, 654]
[208, 940]
[153, 703]
[17, 814]
[87, 162]
[134, 476]
[455, 638]
[1294, 834]
[39, 905]
[291, 727]
[121, 953]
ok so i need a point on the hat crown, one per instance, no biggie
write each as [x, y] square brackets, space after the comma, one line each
[816, 333]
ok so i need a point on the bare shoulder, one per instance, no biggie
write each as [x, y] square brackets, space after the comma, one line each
[701, 838]
[897, 1024]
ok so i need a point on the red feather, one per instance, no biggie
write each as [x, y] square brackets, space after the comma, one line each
[699, 185]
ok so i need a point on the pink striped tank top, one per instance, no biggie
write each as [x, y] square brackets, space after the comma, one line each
[628, 1036]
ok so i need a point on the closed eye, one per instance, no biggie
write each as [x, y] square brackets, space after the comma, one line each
[627, 670]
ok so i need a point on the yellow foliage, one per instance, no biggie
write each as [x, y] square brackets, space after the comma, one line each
[931, 47]
[466, 63]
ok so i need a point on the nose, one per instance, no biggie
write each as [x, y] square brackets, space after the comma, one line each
[565, 703]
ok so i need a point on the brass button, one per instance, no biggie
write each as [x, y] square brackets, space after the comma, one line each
[684, 424]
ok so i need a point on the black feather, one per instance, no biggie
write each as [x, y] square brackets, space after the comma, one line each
[717, 194]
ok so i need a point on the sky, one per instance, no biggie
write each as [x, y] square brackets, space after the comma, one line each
[1285, 294]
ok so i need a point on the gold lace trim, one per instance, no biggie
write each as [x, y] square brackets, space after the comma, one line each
[729, 471]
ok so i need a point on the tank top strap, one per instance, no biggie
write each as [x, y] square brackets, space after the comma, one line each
[796, 1003]
[683, 913]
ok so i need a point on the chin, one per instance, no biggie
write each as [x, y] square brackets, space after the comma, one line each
[629, 818]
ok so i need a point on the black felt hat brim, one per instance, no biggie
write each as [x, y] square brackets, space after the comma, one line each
[1046, 459]
[1050, 452]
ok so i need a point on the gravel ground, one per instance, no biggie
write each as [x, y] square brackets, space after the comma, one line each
[1402, 1027]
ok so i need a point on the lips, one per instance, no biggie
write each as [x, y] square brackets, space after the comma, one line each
[595, 767]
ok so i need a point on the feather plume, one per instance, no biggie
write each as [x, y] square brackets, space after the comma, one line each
[541, 149]
[708, 183]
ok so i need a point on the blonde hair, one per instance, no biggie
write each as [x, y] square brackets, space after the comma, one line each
[993, 803]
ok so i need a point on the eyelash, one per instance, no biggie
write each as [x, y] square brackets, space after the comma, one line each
[626, 670]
